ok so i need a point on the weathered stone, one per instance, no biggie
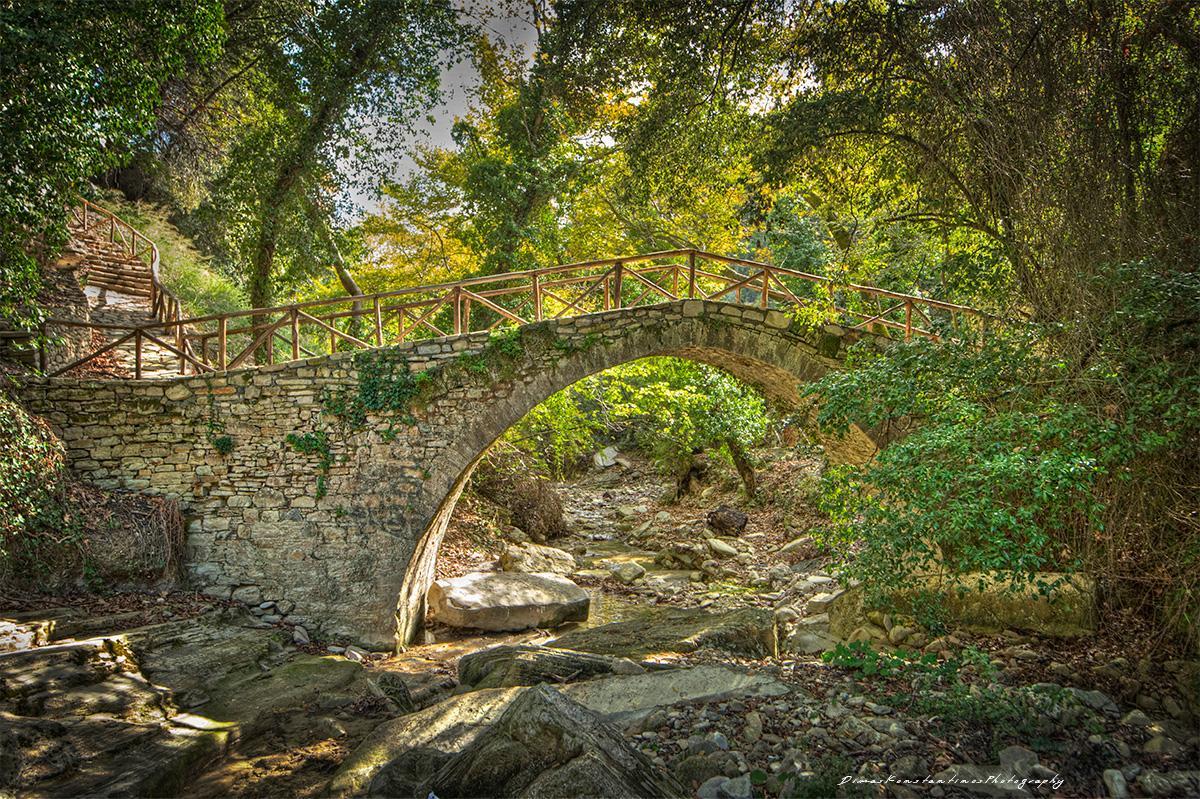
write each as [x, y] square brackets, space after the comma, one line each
[402, 753]
[1114, 784]
[546, 745]
[727, 521]
[536, 558]
[507, 601]
[721, 549]
[820, 603]
[658, 630]
[796, 545]
[508, 666]
[1169, 783]
[726, 788]
[625, 698]
[1068, 611]
[1097, 701]
[334, 555]
[605, 458]
[627, 571]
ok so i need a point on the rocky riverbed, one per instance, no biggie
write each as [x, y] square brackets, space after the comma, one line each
[698, 673]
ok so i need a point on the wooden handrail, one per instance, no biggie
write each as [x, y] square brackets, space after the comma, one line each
[572, 289]
[164, 305]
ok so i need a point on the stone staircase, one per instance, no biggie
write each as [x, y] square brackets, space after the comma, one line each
[108, 265]
[118, 285]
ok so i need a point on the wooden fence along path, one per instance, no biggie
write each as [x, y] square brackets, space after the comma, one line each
[220, 342]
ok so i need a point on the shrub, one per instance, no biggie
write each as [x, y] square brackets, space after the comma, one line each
[1019, 459]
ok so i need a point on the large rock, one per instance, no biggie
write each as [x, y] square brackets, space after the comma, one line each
[401, 754]
[605, 458]
[99, 717]
[536, 558]
[504, 666]
[546, 745]
[660, 630]
[507, 601]
[985, 603]
[727, 521]
[626, 698]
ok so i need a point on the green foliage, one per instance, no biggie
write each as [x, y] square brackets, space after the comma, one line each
[310, 79]
[81, 80]
[42, 533]
[960, 693]
[929, 611]
[668, 407]
[674, 407]
[571, 346]
[506, 342]
[861, 657]
[32, 465]
[556, 435]
[1002, 472]
[315, 443]
[385, 385]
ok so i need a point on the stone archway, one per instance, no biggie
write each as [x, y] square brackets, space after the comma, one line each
[762, 349]
[339, 532]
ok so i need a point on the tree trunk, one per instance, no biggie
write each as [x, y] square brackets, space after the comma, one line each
[328, 110]
[745, 468]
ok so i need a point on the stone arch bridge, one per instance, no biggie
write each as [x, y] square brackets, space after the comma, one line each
[327, 483]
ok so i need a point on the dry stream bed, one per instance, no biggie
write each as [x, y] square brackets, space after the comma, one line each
[696, 674]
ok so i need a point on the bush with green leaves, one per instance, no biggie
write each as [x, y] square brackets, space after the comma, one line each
[961, 694]
[1022, 456]
[668, 408]
[33, 463]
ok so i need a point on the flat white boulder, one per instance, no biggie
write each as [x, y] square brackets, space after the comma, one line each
[507, 601]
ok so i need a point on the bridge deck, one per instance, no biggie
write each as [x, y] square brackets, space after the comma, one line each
[220, 342]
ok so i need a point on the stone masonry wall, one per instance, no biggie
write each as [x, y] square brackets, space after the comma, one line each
[352, 547]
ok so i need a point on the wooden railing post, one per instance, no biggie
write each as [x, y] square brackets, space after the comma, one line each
[458, 310]
[137, 354]
[692, 275]
[180, 345]
[618, 277]
[766, 288]
[295, 334]
[537, 297]
[907, 319]
[222, 342]
[378, 323]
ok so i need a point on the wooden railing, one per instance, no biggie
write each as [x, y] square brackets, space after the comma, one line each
[165, 307]
[227, 341]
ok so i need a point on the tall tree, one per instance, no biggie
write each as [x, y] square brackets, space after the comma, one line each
[353, 73]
